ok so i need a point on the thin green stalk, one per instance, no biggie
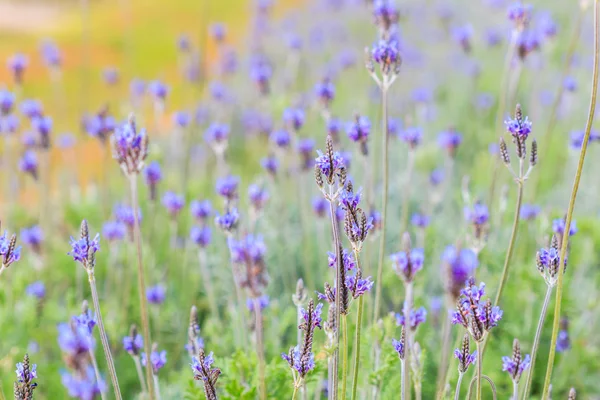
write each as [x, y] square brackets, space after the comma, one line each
[103, 338]
[357, 347]
[402, 382]
[260, 350]
[96, 370]
[479, 368]
[156, 386]
[339, 266]
[565, 239]
[443, 368]
[385, 137]
[295, 392]
[140, 373]
[141, 282]
[408, 346]
[515, 395]
[458, 383]
[511, 243]
[344, 355]
[536, 342]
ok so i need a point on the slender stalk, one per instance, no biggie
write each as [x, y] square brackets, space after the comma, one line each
[408, 347]
[406, 200]
[458, 383]
[156, 386]
[536, 342]
[443, 368]
[479, 368]
[260, 350]
[511, 243]
[140, 373]
[565, 239]
[515, 395]
[103, 338]
[344, 356]
[141, 282]
[295, 392]
[403, 382]
[337, 249]
[96, 370]
[357, 346]
[385, 138]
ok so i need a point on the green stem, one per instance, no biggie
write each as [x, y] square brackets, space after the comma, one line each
[345, 356]
[156, 386]
[140, 373]
[515, 395]
[385, 137]
[511, 243]
[96, 370]
[260, 351]
[479, 368]
[295, 392]
[141, 281]
[339, 266]
[565, 238]
[408, 345]
[357, 346]
[458, 383]
[403, 383]
[536, 342]
[103, 338]
[443, 367]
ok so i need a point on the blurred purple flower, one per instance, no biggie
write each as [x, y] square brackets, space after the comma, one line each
[156, 294]
[258, 196]
[17, 65]
[158, 89]
[50, 53]
[228, 187]
[294, 118]
[530, 211]
[182, 119]
[417, 317]
[114, 230]
[110, 75]
[201, 235]
[83, 386]
[157, 360]
[173, 202]
[29, 163]
[37, 290]
[217, 31]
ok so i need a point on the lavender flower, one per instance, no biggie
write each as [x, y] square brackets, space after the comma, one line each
[83, 386]
[110, 75]
[294, 118]
[201, 209]
[530, 211]
[386, 54]
[51, 54]
[228, 187]
[518, 127]
[133, 343]
[9, 251]
[33, 237]
[325, 91]
[43, 126]
[385, 14]
[31, 108]
[465, 358]
[130, 147]
[183, 43]
[17, 64]
[436, 177]
[259, 196]
[412, 136]
[26, 373]
[281, 138]
[157, 359]
[417, 317]
[329, 165]
[301, 359]
[459, 265]
[156, 294]
[407, 264]
[348, 260]
[260, 73]
[74, 340]
[270, 164]
[306, 149]
[203, 371]
[563, 342]
[334, 126]
[36, 289]
[319, 206]
[516, 365]
[137, 88]
[450, 140]
[420, 220]
[159, 90]
[228, 221]
[125, 214]
[570, 84]
[477, 215]
[558, 227]
[358, 286]
[152, 176]
[86, 320]
[101, 125]
[84, 250]
[263, 302]
[359, 129]
[7, 102]
[201, 235]
[174, 203]
[216, 134]
[519, 13]
[217, 31]
[29, 163]
[182, 119]
[462, 35]
[475, 315]
[400, 345]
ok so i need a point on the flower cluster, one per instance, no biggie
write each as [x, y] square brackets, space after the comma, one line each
[458, 265]
[478, 216]
[152, 176]
[464, 357]
[519, 128]
[548, 261]
[9, 251]
[158, 359]
[174, 203]
[356, 223]
[517, 364]
[130, 147]
[329, 167]
[134, 342]
[203, 371]
[408, 262]
[301, 358]
[477, 316]
[84, 250]
[24, 385]
[400, 345]
[417, 317]
[100, 125]
[247, 256]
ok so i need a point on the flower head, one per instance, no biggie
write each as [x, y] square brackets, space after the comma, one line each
[33, 237]
[156, 294]
[36, 289]
[530, 211]
[518, 127]
[259, 196]
[516, 365]
[201, 235]
[83, 386]
[17, 64]
[325, 91]
[474, 314]
[133, 343]
[294, 118]
[228, 187]
[158, 359]
[357, 285]
[450, 140]
[174, 203]
[465, 358]
[407, 264]
[417, 317]
[159, 90]
[9, 251]
[130, 147]
[84, 250]
[216, 133]
[558, 227]
[29, 163]
[412, 136]
[227, 221]
[359, 129]
[459, 264]
[386, 54]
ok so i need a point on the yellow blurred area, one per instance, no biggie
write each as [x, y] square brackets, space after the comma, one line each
[138, 37]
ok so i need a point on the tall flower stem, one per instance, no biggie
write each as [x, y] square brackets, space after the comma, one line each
[344, 355]
[338, 273]
[502, 108]
[458, 383]
[406, 200]
[260, 349]
[511, 243]
[384, 200]
[536, 341]
[96, 370]
[156, 386]
[408, 346]
[515, 395]
[103, 338]
[403, 383]
[479, 368]
[565, 239]
[358, 332]
[141, 282]
[443, 368]
[295, 392]
[140, 373]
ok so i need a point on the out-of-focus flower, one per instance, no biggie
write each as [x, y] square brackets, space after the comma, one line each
[462, 35]
[459, 265]
[159, 90]
[17, 65]
[530, 211]
[450, 140]
[228, 187]
[259, 196]
[114, 231]
[50, 54]
[417, 317]
[173, 202]
[228, 221]
[281, 138]
[217, 31]
[201, 235]
[156, 294]
[29, 163]
[36, 289]
[110, 75]
[130, 147]
[294, 118]
[33, 237]
[201, 210]
[83, 387]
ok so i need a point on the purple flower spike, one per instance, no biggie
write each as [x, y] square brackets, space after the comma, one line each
[477, 316]
[325, 91]
[159, 90]
[201, 210]
[152, 176]
[417, 317]
[81, 249]
[518, 127]
[348, 260]
[259, 196]
[174, 203]
[450, 140]
[216, 133]
[125, 214]
[51, 54]
[228, 221]
[519, 13]
[130, 147]
[36, 289]
[281, 138]
[530, 211]
[263, 302]
[319, 206]
[7, 102]
[558, 226]
[477, 215]
[157, 360]
[83, 386]
[465, 358]
[17, 64]
[408, 264]
[133, 344]
[359, 129]
[420, 220]
[156, 294]
[228, 187]
[516, 365]
[217, 31]
[9, 252]
[31, 108]
[270, 164]
[386, 53]
[358, 286]
[201, 235]
[33, 237]
[114, 231]
[182, 119]
[399, 347]
[412, 136]
[294, 118]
